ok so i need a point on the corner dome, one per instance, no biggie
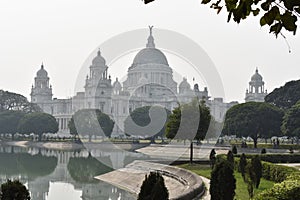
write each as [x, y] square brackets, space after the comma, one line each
[98, 60]
[184, 84]
[117, 85]
[256, 76]
[150, 56]
[42, 72]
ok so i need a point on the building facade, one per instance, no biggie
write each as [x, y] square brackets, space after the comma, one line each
[149, 82]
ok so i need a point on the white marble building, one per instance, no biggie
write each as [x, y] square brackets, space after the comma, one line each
[149, 82]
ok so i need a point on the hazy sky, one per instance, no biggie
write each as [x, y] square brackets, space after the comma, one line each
[63, 33]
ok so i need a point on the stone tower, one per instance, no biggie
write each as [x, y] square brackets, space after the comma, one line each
[256, 91]
[41, 91]
[98, 88]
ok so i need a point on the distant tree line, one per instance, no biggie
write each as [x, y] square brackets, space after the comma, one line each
[17, 115]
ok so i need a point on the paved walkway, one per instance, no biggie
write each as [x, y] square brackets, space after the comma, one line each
[181, 184]
[206, 182]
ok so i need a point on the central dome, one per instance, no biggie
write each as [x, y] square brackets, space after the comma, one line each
[256, 77]
[150, 56]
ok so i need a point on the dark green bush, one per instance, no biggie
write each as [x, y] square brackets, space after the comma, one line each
[263, 151]
[234, 150]
[153, 187]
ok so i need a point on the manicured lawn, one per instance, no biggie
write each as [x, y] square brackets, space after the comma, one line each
[241, 187]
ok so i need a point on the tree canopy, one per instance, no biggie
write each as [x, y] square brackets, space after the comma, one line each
[91, 122]
[196, 115]
[14, 101]
[286, 96]
[9, 121]
[38, 123]
[138, 120]
[277, 14]
[291, 121]
[254, 119]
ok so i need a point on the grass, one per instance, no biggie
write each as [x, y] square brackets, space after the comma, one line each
[241, 192]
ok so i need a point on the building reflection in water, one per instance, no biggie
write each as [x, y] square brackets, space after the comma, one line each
[37, 168]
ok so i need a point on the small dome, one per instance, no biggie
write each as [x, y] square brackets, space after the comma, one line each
[256, 76]
[99, 60]
[117, 85]
[42, 72]
[150, 56]
[184, 84]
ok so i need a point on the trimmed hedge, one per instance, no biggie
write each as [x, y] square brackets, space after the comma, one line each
[271, 172]
[289, 189]
[277, 158]
[277, 173]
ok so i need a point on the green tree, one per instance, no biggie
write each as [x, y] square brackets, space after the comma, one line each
[222, 183]
[230, 158]
[38, 123]
[141, 117]
[14, 101]
[277, 14]
[242, 165]
[254, 119]
[14, 190]
[250, 179]
[194, 124]
[291, 121]
[153, 187]
[91, 122]
[257, 167]
[9, 121]
[286, 96]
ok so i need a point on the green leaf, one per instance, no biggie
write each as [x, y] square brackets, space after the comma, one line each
[255, 12]
[265, 6]
[262, 21]
[289, 21]
[230, 4]
[205, 1]
[276, 28]
[256, 1]
[272, 15]
[290, 4]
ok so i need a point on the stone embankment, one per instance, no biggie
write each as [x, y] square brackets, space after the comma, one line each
[181, 184]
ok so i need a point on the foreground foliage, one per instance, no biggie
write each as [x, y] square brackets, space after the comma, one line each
[14, 190]
[153, 188]
[277, 14]
[222, 183]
